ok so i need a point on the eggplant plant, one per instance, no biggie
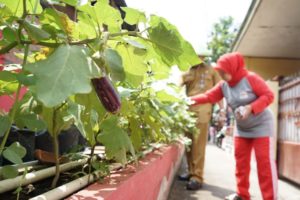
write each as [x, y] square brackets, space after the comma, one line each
[90, 72]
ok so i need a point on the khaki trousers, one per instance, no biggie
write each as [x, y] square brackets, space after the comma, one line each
[196, 155]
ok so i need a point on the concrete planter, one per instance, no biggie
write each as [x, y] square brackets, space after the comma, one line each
[150, 179]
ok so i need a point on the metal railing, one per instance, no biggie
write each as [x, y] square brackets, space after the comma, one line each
[289, 109]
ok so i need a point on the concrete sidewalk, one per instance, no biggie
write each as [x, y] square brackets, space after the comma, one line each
[220, 180]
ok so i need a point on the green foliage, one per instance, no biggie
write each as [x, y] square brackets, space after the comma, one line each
[30, 121]
[16, 7]
[103, 14]
[4, 125]
[115, 139]
[34, 32]
[66, 72]
[168, 43]
[9, 171]
[222, 38]
[114, 61]
[14, 153]
[133, 63]
[69, 54]
[133, 16]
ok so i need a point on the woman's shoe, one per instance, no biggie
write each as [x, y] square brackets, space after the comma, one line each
[233, 197]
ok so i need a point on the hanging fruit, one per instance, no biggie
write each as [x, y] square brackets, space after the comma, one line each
[107, 94]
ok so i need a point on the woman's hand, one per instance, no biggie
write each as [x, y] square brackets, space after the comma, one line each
[190, 101]
[243, 112]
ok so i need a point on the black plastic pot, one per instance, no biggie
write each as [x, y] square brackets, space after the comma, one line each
[68, 140]
[26, 138]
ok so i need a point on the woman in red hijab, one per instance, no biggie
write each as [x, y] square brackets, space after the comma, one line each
[248, 96]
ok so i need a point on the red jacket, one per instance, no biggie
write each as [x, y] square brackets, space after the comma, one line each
[234, 65]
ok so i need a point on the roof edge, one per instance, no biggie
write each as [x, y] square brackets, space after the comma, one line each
[248, 19]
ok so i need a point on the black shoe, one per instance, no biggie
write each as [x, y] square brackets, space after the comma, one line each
[193, 185]
[184, 177]
[233, 197]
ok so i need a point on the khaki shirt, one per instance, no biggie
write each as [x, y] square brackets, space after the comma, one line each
[198, 80]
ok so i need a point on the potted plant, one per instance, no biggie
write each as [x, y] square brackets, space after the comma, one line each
[90, 73]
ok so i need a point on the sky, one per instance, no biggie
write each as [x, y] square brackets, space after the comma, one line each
[194, 18]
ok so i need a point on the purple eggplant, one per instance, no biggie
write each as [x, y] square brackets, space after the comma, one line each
[107, 94]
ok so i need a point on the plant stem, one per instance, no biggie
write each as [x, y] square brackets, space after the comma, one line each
[90, 160]
[56, 153]
[123, 33]
[15, 105]
[21, 182]
[24, 9]
[56, 150]
[7, 48]
[10, 46]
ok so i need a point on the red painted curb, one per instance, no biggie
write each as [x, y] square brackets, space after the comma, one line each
[150, 179]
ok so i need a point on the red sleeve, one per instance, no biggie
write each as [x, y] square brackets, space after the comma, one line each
[213, 95]
[262, 91]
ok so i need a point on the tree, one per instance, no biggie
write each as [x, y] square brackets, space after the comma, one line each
[222, 38]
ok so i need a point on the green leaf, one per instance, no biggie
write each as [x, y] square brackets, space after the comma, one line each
[126, 92]
[134, 42]
[4, 11]
[114, 61]
[18, 190]
[91, 101]
[26, 79]
[9, 171]
[14, 153]
[35, 32]
[133, 16]
[9, 35]
[84, 121]
[64, 26]
[115, 140]
[86, 26]
[71, 2]
[7, 76]
[8, 87]
[104, 14]
[31, 121]
[155, 126]
[133, 63]
[166, 42]
[65, 72]
[136, 133]
[48, 115]
[52, 17]
[159, 69]
[127, 107]
[63, 120]
[16, 7]
[4, 125]
[165, 97]
[170, 45]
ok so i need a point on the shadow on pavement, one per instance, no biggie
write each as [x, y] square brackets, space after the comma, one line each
[217, 191]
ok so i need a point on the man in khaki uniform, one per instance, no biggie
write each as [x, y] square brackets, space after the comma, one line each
[197, 80]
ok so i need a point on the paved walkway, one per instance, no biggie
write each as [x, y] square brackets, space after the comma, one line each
[220, 181]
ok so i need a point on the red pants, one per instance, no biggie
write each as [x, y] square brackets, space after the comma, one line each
[266, 168]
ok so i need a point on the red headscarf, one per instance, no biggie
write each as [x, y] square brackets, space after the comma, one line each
[233, 64]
